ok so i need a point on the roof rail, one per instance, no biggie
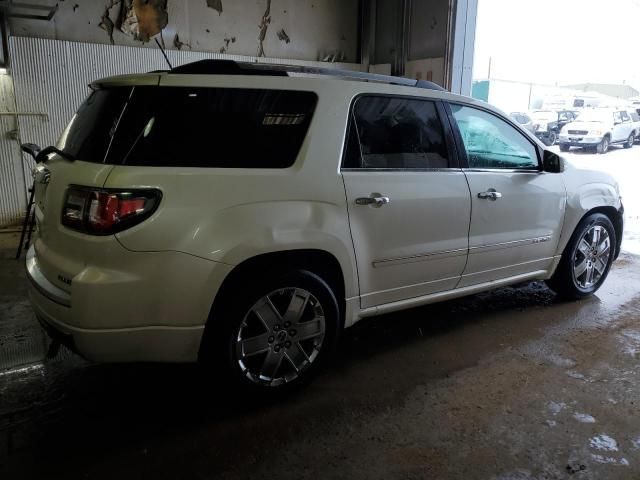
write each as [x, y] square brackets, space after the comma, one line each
[230, 67]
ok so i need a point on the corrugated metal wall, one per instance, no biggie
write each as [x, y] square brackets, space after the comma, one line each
[12, 192]
[51, 76]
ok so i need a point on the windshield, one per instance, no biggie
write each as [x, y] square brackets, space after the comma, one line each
[594, 116]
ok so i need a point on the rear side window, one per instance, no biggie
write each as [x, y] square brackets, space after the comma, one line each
[88, 135]
[192, 127]
[213, 127]
[395, 133]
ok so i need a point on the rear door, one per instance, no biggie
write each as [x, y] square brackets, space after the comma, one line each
[517, 208]
[621, 129]
[408, 201]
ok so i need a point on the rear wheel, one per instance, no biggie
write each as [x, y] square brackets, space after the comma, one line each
[587, 259]
[603, 146]
[272, 334]
[630, 141]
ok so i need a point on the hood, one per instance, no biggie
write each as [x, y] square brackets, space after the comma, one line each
[589, 126]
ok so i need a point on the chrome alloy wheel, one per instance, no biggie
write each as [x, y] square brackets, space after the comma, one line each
[591, 257]
[280, 336]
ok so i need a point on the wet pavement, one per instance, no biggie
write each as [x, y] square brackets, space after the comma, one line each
[510, 384]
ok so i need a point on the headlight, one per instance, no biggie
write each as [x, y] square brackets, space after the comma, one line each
[595, 133]
[564, 130]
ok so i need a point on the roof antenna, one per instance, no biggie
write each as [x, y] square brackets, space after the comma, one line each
[164, 54]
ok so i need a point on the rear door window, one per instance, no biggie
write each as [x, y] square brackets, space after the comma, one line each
[213, 127]
[395, 133]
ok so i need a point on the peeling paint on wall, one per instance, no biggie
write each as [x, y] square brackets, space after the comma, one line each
[282, 35]
[143, 19]
[107, 24]
[216, 5]
[179, 43]
[264, 25]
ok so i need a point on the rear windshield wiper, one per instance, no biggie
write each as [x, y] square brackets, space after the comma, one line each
[46, 151]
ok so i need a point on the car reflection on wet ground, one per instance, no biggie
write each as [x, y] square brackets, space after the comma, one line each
[510, 384]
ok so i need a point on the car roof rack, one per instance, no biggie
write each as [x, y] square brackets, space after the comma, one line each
[230, 67]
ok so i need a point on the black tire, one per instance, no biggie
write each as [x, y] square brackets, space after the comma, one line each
[630, 141]
[565, 148]
[603, 146]
[564, 281]
[549, 139]
[218, 352]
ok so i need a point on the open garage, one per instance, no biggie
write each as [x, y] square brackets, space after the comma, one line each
[308, 239]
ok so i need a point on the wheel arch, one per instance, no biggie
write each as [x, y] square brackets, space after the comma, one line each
[320, 262]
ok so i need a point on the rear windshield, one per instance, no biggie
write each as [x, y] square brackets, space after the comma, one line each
[191, 127]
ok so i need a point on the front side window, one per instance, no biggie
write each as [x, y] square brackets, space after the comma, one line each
[617, 117]
[625, 117]
[396, 133]
[490, 142]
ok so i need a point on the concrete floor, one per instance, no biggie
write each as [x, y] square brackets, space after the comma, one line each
[510, 384]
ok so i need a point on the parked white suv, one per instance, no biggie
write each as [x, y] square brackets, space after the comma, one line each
[243, 217]
[597, 129]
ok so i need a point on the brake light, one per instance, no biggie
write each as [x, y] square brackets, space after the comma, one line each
[107, 211]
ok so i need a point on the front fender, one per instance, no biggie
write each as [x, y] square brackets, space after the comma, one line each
[582, 200]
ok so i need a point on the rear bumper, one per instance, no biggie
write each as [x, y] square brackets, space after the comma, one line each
[129, 331]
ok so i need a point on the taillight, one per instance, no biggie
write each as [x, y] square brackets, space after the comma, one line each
[100, 211]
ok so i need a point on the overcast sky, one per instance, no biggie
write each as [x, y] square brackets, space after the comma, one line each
[559, 41]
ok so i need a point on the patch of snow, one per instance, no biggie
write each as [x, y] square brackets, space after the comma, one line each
[556, 407]
[610, 460]
[574, 374]
[584, 417]
[604, 442]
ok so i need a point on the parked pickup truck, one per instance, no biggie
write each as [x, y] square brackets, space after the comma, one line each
[595, 130]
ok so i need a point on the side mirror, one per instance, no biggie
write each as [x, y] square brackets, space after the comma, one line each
[552, 162]
[32, 149]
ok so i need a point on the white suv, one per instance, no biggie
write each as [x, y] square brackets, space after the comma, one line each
[597, 129]
[243, 217]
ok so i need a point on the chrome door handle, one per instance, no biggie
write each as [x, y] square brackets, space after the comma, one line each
[490, 194]
[375, 200]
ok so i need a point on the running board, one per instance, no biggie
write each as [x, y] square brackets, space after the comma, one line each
[450, 294]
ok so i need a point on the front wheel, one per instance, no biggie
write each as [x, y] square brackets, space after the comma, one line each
[630, 141]
[587, 259]
[273, 334]
[549, 139]
[603, 146]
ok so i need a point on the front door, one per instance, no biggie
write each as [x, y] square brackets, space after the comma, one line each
[517, 208]
[408, 202]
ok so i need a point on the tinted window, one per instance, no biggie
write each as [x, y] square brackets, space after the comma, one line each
[625, 117]
[634, 116]
[89, 132]
[395, 133]
[213, 127]
[490, 142]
